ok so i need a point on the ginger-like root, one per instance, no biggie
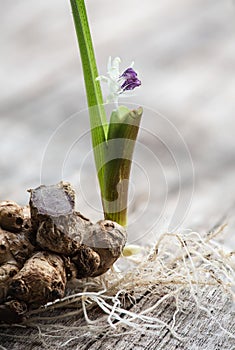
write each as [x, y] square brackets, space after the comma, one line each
[14, 251]
[14, 246]
[51, 201]
[93, 248]
[13, 311]
[11, 216]
[59, 228]
[107, 238]
[62, 234]
[7, 271]
[86, 261]
[6, 238]
[67, 246]
[102, 246]
[42, 279]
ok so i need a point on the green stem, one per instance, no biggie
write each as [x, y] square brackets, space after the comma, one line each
[98, 119]
[113, 144]
[122, 134]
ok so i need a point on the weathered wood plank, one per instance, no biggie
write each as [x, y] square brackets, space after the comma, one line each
[199, 330]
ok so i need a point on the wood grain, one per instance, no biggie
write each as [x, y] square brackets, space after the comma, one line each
[198, 329]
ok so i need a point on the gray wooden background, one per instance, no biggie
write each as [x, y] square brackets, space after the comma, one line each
[185, 53]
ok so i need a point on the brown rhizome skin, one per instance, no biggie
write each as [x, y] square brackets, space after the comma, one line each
[47, 244]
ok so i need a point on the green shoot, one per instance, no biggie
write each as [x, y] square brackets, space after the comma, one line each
[113, 143]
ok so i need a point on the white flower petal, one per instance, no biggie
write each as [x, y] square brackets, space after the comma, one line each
[113, 79]
[113, 68]
[109, 65]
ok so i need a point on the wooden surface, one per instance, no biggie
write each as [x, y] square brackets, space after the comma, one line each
[185, 54]
[198, 329]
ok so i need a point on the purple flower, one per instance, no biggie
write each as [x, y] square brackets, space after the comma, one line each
[130, 80]
[129, 74]
[118, 84]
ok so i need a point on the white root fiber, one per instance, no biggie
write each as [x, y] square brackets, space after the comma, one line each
[177, 262]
